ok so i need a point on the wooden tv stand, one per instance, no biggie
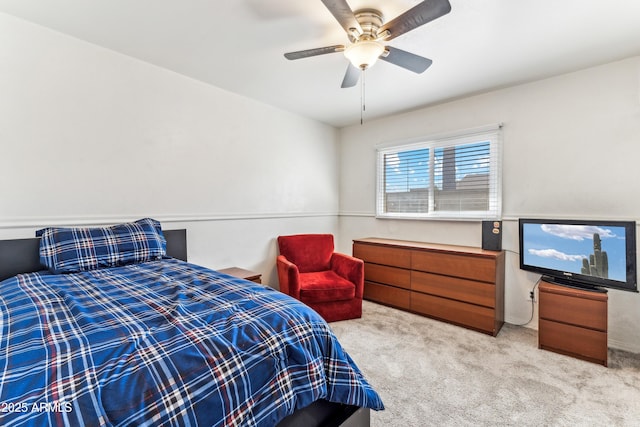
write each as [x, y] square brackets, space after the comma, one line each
[458, 284]
[573, 322]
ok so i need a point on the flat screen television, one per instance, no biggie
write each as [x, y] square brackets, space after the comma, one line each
[580, 253]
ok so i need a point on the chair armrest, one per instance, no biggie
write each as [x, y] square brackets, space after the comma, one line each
[288, 276]
[351, 269]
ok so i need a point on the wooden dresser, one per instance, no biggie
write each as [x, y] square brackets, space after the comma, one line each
[458, 284]
[573, 322]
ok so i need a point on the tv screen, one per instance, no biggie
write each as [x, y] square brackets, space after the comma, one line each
[580, 253]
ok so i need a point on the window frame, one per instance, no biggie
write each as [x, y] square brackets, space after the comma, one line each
[490, 133]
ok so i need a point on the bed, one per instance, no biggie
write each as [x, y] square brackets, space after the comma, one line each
[119, 329]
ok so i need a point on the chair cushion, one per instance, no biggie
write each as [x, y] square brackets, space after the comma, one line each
[309, 252]
[324, 286]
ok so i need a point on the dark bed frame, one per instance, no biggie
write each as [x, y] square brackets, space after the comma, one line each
[21, 256]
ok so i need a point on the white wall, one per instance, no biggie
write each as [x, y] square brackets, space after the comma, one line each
[89, 136]
[571, 150]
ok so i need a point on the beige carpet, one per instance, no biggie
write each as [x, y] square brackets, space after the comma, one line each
[430, 373]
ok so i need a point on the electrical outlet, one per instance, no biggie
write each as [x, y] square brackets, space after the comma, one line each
[532, 296]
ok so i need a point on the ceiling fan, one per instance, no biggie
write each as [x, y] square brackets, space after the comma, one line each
[367, 33]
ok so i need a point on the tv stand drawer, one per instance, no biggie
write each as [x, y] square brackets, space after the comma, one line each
[574, 307]
[581, 343]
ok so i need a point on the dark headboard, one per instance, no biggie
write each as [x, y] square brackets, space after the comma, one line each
[21, 255]
[176, 243]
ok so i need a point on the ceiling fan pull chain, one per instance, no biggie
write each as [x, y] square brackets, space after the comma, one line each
[362, 101]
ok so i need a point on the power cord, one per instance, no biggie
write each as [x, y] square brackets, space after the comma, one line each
[532, 294]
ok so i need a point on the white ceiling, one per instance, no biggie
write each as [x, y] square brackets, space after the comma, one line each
[238, 45]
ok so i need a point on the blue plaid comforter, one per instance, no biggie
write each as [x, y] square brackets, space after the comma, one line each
[163, 343]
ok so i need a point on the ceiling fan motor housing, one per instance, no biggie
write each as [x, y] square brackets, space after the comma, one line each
[365, 47]
[370, 21]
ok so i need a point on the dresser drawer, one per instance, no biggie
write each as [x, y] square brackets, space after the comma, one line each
[387, 255]
[469, 315]
[454, 288]
[389, 275]
[469, 267]
[586, 313]
[388, 295]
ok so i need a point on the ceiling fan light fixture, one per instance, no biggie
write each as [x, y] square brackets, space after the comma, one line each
[363, 54]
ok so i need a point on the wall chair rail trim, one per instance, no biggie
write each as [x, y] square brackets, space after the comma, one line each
[89, 220]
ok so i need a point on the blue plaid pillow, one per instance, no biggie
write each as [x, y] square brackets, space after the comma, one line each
[67, 250]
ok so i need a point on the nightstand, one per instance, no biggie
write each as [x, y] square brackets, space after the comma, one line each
[241, 273]
[573, 322]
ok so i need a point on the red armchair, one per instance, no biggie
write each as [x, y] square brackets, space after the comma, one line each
[329, 282]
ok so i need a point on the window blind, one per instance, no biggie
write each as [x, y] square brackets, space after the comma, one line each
[448, 177]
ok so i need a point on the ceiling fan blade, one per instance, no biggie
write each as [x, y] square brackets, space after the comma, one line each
[407, 60]
[418, 15]
[351, 76]
[343, 14]
[314, 52]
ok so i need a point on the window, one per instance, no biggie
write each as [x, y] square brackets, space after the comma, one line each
[446, 177]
